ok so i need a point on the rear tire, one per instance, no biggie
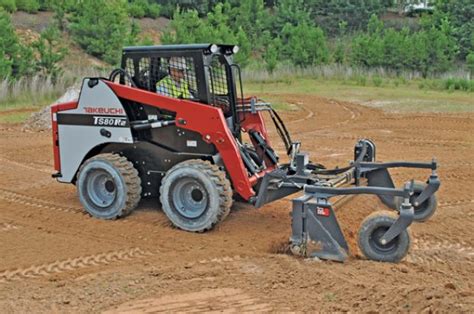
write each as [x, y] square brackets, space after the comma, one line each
[195, 195]
[372, 229]
[108, 186]
[425, 210]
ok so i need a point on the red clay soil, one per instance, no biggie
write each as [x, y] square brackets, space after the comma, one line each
[54, 257]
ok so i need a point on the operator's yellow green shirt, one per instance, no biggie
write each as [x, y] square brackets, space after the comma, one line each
[168, 87]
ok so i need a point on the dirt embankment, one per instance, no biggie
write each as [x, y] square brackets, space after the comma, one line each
[53, 257]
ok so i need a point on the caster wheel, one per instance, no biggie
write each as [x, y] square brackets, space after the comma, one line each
[372, 230]
[425, 210]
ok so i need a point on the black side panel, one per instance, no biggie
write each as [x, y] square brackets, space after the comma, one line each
[152, 162]
[182, 141]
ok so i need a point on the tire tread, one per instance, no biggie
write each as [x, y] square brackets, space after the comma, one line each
[131, 178]
[218, 177]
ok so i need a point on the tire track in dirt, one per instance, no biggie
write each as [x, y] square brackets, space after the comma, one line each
[458, 164]
[399, 140]
[30, 165]
[4, 226]
[72, 264]
[22, 199]
[138, 220]
[157, 220]
[456, 176]
[433, 119]
[427, 252]
[307, 117]
[457, 202]
[353, 112]
[216, 300]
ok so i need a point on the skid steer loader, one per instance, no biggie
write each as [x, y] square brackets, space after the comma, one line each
[172, 122]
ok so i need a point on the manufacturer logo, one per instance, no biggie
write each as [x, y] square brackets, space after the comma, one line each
[101, 110]
[110, 121]
[323, 211]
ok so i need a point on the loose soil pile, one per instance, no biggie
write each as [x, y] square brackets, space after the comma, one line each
[41, 120]
[53, 257]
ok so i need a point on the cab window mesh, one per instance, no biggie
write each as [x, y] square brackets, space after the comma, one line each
[218, 84]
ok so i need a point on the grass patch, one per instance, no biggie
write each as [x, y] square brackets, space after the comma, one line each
[15, 117]
[19, 109]
[398, 95]
[27, 102]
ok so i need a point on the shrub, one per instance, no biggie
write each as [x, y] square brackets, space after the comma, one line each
[8, 5]
[470, 63]
[377, 80]
[153, 10]
[135, 9]
[452, 84]
[30, 6]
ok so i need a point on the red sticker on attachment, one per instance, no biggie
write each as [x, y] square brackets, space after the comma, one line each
[323, 211]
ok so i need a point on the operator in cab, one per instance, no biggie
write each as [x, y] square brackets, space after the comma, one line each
[175, 84]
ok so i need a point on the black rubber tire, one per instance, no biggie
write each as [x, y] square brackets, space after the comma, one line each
[372, 228]
[126, 185]
[216, 189]
[425, 210]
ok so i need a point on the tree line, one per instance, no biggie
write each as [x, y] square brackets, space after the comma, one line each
[299, 33]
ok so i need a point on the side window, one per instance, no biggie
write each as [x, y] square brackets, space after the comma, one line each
[173, 76]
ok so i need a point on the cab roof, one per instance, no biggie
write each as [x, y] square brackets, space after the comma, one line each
[205, 48]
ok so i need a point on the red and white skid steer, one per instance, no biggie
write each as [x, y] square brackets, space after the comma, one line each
[171, 122]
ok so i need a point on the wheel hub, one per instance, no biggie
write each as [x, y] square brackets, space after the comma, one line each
[101, 188]
[190, 198]
[377, 243]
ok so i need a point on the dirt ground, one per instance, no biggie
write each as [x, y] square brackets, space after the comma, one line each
[55, 258]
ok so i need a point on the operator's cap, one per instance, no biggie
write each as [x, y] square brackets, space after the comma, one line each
[178, 63]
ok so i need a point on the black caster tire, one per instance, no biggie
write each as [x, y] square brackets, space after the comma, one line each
[425, 210]
[372, 229]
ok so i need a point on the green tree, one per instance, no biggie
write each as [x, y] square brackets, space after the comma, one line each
[50, 52]
[271, 55]
[250, 16]
[101, 28]
[460, 14]
[329, 13]
[187, 27]
[304, 45]
[16, 60]
[430, 50]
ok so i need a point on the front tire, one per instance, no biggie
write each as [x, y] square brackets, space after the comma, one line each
[371, 231]
[195, 195]
[108, 186]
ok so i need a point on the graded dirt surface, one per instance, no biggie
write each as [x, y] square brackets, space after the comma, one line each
[55, 258]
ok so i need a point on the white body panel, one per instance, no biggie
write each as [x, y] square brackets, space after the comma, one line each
[99, 109]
